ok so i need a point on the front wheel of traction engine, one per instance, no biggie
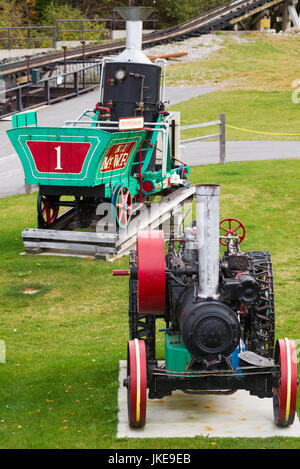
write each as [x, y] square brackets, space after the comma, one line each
[285, 389]
[136, 383]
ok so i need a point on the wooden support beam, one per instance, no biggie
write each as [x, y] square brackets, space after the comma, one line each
[255, 20]
[256, 10]
[293, 15]
[286, 22]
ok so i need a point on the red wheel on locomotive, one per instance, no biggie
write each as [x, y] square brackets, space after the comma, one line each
[285, 393]
[182, 171]
[151, 272]
[47, 210]
[136, 382]
[228, 226]
[122, 205]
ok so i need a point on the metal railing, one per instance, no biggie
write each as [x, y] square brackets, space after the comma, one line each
[49, 90]
[14, 35]
[81, 29]
[220, 135]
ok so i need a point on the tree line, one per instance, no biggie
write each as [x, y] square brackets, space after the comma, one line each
[46, 12]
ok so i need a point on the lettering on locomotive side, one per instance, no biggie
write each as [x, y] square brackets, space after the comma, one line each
[117, 156]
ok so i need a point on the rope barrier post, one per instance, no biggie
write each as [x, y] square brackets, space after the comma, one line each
[222, 138]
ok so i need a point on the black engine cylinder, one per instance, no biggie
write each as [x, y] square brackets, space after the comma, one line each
[208, 328]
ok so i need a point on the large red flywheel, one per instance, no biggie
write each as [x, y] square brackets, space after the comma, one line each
[285, 392]
[151, 272]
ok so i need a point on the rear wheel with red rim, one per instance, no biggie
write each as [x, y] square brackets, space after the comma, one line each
[285, 391]
[136, 383]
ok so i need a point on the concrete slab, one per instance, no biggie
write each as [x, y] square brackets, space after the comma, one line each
[183, 415]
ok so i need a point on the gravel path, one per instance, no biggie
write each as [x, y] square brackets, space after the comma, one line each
[196, 48]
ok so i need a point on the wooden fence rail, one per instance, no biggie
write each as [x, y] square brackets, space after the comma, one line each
[221, 122]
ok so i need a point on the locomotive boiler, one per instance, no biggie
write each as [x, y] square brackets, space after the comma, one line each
[123, 152]
[218, 312]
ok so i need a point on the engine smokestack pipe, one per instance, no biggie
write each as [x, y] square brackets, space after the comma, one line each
[207, 220]
[134, 17]
[134, 31]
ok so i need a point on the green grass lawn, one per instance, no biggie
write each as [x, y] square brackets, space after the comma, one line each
[255, 78]
[63, 344]
[271, 115]
[264, 62]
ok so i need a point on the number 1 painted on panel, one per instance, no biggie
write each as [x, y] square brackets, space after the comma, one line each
[58, 157]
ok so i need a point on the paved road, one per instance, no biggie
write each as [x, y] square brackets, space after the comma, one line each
[193, 153]
[11, 171]
[200, 153]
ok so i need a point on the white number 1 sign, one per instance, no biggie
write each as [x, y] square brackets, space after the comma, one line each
[58, 157]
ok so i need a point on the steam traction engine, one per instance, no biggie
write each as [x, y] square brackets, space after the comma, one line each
[218, 313]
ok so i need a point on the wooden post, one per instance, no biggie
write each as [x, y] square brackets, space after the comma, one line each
[222, 138]
[286, 20]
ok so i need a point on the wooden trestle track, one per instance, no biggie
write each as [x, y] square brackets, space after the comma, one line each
[220, 18]
[169, 212]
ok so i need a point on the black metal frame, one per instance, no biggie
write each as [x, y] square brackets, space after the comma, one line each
[97, 191]
[264, 324]
[258, 381]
